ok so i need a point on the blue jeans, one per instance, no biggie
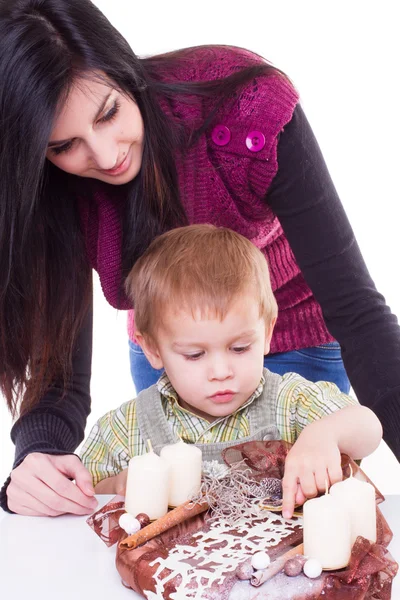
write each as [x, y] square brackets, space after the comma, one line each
[319, 363]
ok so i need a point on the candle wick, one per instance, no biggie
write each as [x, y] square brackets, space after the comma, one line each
[351, 471]
[326, 486]
[149, 446]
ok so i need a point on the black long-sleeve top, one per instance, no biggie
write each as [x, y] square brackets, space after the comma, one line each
[305, 201]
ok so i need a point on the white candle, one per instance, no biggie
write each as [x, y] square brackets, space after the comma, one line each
[359, 499]
[147, 486]
[326, 532]
[185, 463]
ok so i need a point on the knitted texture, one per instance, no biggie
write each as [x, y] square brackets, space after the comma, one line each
[225, 185]
[44, 433]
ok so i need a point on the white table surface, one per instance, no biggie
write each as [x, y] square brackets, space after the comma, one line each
[62, 558]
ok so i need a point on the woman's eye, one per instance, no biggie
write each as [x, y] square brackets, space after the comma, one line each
[194, 356]
[109, 116]
[240, 349]
[64, 148]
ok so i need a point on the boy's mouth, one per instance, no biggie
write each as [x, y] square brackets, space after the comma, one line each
[222, 396]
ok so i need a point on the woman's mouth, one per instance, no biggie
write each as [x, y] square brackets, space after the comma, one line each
[120, 169]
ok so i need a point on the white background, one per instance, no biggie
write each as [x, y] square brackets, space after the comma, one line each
[343, 57]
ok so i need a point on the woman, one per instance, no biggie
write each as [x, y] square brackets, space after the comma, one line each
[100, 152]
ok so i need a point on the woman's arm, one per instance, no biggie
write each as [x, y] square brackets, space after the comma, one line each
[53, 429]
[304, 199]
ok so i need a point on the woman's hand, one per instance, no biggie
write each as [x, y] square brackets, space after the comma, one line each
[313, 464]
[41, 486]
[113, 485]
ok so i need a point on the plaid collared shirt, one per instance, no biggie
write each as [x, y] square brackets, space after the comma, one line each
[115, 438]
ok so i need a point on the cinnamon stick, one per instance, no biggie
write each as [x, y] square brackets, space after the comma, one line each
[276, 567]
[172, 518]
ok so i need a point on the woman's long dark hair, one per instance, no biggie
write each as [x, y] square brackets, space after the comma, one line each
[45, 282]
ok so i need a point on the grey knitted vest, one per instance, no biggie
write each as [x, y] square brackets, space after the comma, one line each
[154, 426]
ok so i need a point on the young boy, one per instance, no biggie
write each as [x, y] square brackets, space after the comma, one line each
[205, 312]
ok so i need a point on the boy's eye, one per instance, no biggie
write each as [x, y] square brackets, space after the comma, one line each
[240, 349]
[194, 356]
[109, 116]
[64, 148]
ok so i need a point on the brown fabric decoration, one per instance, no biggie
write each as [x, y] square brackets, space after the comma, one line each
[104, 522]
[370, 572]
[368, 577]
[267, 459]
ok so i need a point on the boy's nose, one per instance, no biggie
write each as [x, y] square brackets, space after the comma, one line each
[220, 370]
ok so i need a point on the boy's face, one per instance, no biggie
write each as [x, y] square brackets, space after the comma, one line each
[213, 365]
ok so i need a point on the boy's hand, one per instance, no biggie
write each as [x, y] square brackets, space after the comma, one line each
[113, 485]
[312, 463]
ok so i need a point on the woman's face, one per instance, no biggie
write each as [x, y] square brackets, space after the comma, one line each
[98, 133]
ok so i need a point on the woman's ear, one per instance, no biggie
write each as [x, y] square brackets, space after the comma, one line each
[269, 329]
[150, 350]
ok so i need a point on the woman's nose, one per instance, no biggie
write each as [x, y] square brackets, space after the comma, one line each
[104, 153]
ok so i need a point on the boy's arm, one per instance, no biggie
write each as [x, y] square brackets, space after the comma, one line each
[115, 484]
[114, 439]
[325, 423]
[356, 430]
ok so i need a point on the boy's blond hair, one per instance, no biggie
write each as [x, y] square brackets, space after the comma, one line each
[199, 268]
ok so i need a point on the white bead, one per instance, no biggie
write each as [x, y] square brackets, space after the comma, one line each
[129, 524]
[260, 560]
[312, 568]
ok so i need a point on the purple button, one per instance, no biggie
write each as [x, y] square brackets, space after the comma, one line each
[255, 141]
[221, 135]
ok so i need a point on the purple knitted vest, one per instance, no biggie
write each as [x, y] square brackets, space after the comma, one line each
[224, 180]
